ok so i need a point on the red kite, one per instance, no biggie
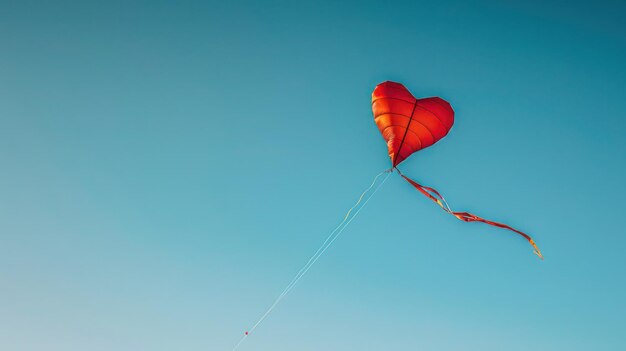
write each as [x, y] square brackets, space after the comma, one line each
[409, 125]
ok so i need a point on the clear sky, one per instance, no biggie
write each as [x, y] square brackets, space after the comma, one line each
[166, 167]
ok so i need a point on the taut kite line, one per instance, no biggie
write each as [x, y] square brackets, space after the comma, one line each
[408, 125]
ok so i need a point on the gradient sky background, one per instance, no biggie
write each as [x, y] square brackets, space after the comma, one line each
[167, 167]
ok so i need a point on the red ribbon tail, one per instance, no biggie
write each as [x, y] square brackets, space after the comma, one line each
[436, 197]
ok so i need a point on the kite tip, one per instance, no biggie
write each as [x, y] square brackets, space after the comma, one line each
[246, 333]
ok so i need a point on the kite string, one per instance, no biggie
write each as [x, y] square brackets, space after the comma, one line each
[325, 245]
[322, 248]
[340, 231]
[333, 232]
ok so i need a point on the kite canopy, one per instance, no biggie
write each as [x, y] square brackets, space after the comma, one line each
[409, 124]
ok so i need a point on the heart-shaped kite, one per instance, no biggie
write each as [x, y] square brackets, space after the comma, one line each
[408, 125]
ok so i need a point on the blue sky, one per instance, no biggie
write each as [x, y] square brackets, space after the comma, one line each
[166, 168]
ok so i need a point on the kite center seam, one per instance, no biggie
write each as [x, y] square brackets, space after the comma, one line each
[395, 157]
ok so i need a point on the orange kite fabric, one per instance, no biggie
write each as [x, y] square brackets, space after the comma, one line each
[408, 125]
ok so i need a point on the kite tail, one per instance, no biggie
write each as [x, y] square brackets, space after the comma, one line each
[465, 216]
